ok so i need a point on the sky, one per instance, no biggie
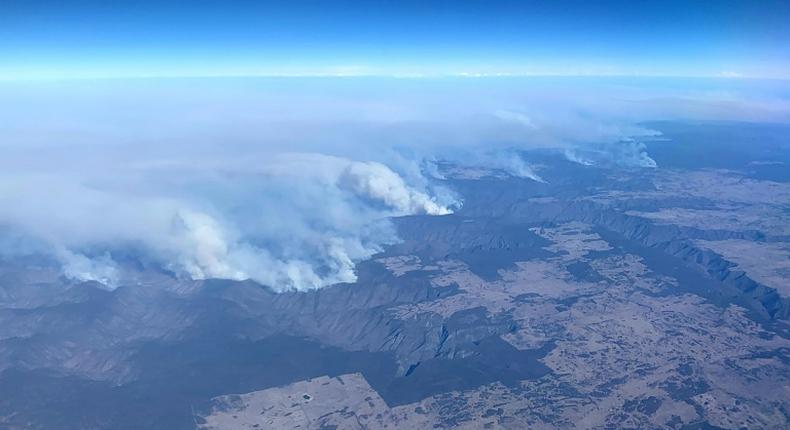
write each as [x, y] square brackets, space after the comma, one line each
[54, 39]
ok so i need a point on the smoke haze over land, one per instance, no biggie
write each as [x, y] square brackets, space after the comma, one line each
[291, 181]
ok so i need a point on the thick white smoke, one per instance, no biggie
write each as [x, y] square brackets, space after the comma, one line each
[212, 252]
[290, 221]
[99, 269]
[376, 181]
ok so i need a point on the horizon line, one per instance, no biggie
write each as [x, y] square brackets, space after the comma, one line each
[415, 76]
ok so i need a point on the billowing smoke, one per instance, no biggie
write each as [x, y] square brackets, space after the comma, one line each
[289, 182]
[100, 269]
[625, 153]
[379, 183]
[298, 221]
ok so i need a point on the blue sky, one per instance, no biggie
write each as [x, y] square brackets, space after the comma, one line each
[87, 39]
